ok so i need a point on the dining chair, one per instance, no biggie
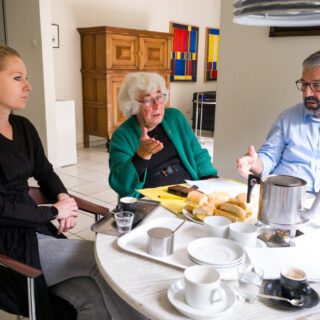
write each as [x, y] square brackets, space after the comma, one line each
[30, 272]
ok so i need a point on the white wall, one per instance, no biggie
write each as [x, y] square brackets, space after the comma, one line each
[138, 14]
[255, 83]
[29, 32]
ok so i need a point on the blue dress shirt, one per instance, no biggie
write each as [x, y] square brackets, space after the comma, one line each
[293, 147]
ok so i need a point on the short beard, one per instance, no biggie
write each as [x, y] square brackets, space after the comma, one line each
[314, 111]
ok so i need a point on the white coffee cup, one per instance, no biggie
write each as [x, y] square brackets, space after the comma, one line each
[243, 233]
[217, 226]
[202, 286]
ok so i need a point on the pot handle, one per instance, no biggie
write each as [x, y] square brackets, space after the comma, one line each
[252, 180]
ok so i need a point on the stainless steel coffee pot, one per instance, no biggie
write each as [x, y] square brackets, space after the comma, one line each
[281, 198]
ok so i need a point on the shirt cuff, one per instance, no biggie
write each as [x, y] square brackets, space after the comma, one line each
[55, 212]
[266, 165]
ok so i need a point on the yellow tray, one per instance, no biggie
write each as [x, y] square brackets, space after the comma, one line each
[173, 205]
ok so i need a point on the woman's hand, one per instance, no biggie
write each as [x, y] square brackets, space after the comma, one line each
[148, 146]
[66, 208]
[66, 224]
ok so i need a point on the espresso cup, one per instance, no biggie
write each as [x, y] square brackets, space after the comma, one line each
[202, 286]
[217, 226]
[128, 204]
[244, 233]
[293, 282]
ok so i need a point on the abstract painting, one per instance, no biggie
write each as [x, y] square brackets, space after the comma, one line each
[184, 56]
[211, 55]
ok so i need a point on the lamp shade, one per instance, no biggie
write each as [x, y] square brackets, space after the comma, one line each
[290, 13]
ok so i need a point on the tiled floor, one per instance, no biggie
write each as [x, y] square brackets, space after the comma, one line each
[88, 179]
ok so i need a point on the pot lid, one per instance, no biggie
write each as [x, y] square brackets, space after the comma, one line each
[285, 181]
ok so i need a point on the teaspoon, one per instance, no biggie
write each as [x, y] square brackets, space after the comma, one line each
[294, 302]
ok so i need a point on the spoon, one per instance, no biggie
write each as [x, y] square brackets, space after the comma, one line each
[294, 302]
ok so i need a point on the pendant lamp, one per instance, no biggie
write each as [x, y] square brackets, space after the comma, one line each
[289, 13]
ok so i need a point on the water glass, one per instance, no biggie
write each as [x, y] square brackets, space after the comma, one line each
[250, 279]
[124, 221]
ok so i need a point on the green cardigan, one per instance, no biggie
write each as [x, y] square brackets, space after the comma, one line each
[123, 176]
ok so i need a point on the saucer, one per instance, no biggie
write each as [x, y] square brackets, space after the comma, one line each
[176, 294]
[273, 288]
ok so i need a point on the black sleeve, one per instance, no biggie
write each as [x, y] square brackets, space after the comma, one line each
[140, 165]
[23, 214]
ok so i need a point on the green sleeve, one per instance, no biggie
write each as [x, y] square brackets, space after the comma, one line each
[123, 176]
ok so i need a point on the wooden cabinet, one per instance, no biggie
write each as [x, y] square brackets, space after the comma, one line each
[107, 55]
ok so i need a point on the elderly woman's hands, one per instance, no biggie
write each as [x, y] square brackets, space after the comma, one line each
[148, 146]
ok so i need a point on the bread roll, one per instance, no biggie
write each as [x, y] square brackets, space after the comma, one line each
[218, 197]
[206, 209]
[233, 208]
[194, 199]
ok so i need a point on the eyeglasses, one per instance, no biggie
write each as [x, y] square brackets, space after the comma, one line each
[302, 85]
[149, 102]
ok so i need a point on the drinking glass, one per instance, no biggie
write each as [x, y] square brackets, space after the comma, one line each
[249, 280]
[124, 221]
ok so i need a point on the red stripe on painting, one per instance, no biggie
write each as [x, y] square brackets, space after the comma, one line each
[180, 40]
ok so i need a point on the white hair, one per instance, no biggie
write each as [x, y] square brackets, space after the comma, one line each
[133, 84]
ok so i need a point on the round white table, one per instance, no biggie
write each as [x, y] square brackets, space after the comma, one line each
[143, 283]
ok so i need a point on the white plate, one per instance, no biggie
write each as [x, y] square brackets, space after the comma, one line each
[189, 216]
[216, 251]
[176, 294]
[218, 266]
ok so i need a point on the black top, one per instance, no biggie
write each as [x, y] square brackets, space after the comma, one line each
[20, 218]
[168, 156]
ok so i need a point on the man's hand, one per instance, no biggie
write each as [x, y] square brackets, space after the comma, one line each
[148, 146]
[249, 163]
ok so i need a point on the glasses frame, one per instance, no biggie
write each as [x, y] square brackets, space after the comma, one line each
[305, 84]
[153, 100]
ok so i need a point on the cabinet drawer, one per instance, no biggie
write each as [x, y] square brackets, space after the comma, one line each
[122, 52]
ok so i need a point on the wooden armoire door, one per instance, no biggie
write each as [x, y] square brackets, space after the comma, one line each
[153, 54]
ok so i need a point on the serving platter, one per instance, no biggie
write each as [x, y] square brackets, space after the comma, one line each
[190, 217]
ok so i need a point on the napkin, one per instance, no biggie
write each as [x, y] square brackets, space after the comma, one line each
[220, 184]
[272, 260]
[175, 206]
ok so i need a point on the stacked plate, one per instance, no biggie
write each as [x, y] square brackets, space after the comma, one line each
[217, 252]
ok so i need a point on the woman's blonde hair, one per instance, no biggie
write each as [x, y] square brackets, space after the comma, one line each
[6, 52]
[133, 84]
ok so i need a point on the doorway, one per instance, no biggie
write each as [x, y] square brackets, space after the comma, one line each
[2, 24]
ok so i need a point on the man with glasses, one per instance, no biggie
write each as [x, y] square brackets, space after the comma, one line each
[155, 146]
[293, 143]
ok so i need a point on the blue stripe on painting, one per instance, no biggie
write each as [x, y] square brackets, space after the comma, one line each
[214, 31]
[214, 66]
[180, 67]
[193, 41]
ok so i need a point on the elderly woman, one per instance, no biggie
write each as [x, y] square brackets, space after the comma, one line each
[156, 145]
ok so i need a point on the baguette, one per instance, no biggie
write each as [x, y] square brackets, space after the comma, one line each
[233, 208]
[228, 215]
[217, 197]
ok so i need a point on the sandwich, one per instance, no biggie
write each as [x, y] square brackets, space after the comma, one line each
[203, 211]
[194, 199]
[218, 197]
